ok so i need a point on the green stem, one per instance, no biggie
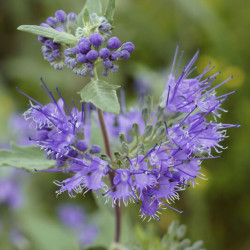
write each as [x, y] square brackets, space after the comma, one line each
[111, 174]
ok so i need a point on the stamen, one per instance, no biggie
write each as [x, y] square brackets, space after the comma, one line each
[29, 97]
[180, 212]
[66, 106]
[175, 56]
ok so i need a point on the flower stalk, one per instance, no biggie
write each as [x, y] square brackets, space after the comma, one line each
[111, 174]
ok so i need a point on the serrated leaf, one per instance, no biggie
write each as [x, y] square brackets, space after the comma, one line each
[57, 36]
[110, 10]
[27, 158]
[94, 6]
[102, 95]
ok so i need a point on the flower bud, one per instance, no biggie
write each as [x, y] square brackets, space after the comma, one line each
[129, 46]
[51, 21]
[113, 43]
[84, 45]
[104, 53]
[67, 52]
[148, 131]
[114, 68]
[81, 58]
[75, 50]
[96, 39]
[115, 55]
[125, 54]
[72, 17]
[56, 53]
[61, 16]
[82, 145]
[92, 55]
[95, 149]
[45, 25]
[59, 29]
[107, 63]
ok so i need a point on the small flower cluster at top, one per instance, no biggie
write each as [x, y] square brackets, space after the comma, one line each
[89, 51]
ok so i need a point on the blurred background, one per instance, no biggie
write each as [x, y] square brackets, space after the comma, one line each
[216, 210]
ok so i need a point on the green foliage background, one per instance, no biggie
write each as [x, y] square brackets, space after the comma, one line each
[217, 210]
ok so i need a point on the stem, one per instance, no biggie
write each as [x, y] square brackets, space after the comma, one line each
[111, 174]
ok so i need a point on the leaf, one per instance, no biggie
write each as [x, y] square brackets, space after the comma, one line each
[86, 16]
[102, 95]
[57, 36]
[94, 6]
[27, 158]
[110, 10]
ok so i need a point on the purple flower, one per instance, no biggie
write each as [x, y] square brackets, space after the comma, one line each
[57, 132]
[72, 17]
[113, 43]
[125, 54]
[95, 149]
[115, 55]
[92, 55]
[123, 183]
[150, 205]
[61, 16]
[107, 63]
[84, 45]
[96, 39]
[82, 145]
[51, 21]
[129, 46]
[81, 58]
[104, 53]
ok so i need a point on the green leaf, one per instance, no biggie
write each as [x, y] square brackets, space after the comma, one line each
[27, 158]
[57, 36]
[102, 95]
[94, 6]
[86, 16]
[110, 10]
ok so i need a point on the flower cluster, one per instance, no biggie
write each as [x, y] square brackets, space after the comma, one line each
[161, 148]
[88, 51]
[53, 52]
[81, 59]
[61, 132]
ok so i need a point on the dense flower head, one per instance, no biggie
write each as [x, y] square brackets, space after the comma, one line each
[62, 132]
[158, 149]
[90, 48]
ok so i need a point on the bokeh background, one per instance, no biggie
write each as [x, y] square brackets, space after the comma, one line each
[216, 210]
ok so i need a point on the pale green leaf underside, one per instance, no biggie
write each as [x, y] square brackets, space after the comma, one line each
[57, 36]
[102, 95]
[109, 13]
[94, 6]
[27, 158]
